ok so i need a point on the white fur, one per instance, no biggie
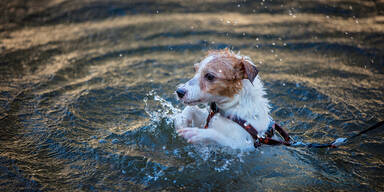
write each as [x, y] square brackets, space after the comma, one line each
[250, 105]
[194, 95]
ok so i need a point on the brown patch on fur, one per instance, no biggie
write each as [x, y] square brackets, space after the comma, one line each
[225, 88]
[228, 71]
[250, 71]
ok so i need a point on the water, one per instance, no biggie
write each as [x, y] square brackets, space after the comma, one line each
[86, 94]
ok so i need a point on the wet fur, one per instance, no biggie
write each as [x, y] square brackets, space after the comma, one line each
[237, 90]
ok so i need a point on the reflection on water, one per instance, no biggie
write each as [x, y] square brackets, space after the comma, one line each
[86, 93]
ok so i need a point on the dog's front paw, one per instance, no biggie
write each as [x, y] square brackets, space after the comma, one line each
[181, 121]
[194, 135]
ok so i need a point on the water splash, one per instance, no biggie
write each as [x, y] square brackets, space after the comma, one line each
[218, 158]
[157, 108]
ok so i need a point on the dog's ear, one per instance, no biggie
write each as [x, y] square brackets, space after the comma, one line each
[250, 70]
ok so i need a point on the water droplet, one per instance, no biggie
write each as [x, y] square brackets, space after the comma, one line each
[372, 61]
[115, 141]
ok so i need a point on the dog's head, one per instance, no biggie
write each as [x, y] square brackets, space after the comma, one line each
[218, 77]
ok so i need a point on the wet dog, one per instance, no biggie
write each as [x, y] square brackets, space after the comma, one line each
[231, 82]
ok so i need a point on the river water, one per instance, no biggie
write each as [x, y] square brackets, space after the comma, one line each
[87, 94]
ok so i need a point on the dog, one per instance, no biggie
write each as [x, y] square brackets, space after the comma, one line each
[230, 81]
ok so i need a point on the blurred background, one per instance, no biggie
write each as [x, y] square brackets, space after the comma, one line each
[87, 93]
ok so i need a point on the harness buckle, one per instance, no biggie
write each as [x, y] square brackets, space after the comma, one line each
[256, 143]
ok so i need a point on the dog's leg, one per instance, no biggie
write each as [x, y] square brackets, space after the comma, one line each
[191, 116]
[195, 135]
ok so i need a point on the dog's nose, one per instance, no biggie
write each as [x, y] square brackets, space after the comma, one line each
[180, 92]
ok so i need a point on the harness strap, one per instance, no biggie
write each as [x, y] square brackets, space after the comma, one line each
[212, 113]
[282, 132]
[267, 138]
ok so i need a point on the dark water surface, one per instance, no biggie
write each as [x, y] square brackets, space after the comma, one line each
[86, 93]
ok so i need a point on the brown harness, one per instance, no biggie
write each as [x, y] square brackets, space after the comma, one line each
[267, 138]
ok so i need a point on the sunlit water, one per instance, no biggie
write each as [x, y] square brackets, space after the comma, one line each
[86, 94]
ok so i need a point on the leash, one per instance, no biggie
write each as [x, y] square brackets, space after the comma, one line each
[288, 141]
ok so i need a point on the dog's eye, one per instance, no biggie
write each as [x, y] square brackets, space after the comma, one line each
[209, 77]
